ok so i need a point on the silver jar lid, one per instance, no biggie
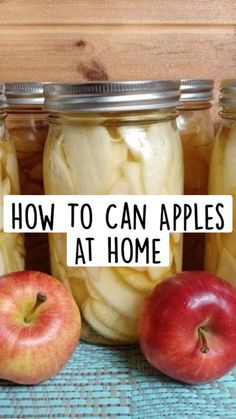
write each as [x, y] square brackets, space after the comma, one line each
[111, 96]
[193, 90]
[227, 96]
[2, 96]
[24, 93]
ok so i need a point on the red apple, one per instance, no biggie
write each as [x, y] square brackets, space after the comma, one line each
[39, 326]
[188, 327]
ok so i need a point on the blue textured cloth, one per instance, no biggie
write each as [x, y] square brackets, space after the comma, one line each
[102, 382]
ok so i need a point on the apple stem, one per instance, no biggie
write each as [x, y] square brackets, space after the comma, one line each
[40, 298]
[204, 347]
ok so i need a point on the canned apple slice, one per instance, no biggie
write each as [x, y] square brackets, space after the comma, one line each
[227, 267]
[137, 279]
[120, 187]
[153, 155]
[93, 166]
[125, 328]
[229, 168]
[216, 179]
[12, 257]
[158, 158]
[133, 173]
[158, 273]
[79, 290]
[135, 138]
[98, 326]
[111, 289]
[58, 178]
[11, 169]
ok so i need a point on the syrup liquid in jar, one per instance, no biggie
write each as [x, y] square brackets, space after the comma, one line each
[28, 127]
[220, 257]
[197, 134]
[12, 253]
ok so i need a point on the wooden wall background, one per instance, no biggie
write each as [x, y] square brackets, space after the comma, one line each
[69, 40]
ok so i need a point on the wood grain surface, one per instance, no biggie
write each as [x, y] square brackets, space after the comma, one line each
[117, 12]
[117, 39]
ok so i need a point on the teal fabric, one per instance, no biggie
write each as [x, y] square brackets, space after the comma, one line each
[102, 382]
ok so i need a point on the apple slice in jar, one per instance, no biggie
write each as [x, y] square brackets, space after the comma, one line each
[133, 174]
[117, 185]
[116, 293]
[97, 325]
[158, 158]
[177, 259]
[120, 187]
[137, 279]
[5, 186]
[17, 261]
[92, 165]
[60, 273]
[229, 173]
[58, 241]
[20, 244]
[78, 289]
[158, 273]
[155, 156]
[58, 180]
[123, 326]
[177, 238]
[216, 179]
[119, 152]
[89, 334]
[58, 265]
[135, 139]
[130, 182]
[228, 240]
[211, 254]
[5, 189]
[227, 267]
[12, 258]
[12, 172]
[176, 168]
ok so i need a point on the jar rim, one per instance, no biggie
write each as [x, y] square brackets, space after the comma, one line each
[2, 96]
[196, 90]
[227, 96]
[111, 96]
[24, 93]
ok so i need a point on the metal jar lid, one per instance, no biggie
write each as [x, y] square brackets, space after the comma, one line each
[24, 93]
[227, 96]
[193, 90]
[111, 96]
[2, 96]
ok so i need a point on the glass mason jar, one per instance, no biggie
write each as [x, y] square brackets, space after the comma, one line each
[220, 258]
[112, 138]
[11, 244]
[28, 128]
[197, 134]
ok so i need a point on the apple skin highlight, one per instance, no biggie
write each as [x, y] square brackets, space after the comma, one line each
[171, 322]
[35, 341]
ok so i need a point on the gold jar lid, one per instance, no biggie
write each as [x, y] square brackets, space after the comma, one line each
[111, 96]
